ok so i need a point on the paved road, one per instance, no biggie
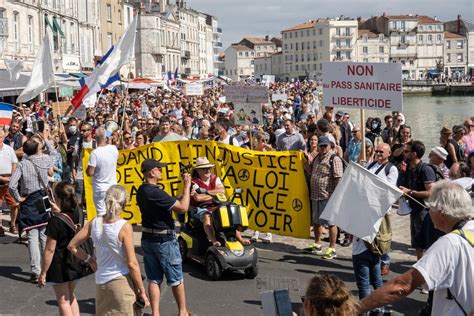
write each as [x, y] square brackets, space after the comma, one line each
[281, 265]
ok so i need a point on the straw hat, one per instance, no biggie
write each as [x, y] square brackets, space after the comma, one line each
[203, 162]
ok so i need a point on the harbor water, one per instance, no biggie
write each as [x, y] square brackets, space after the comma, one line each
[426, 115]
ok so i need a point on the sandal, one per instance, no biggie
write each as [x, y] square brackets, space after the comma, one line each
[13, 230]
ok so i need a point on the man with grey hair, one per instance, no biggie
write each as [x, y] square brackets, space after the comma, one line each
[102, 167]
[446, 267]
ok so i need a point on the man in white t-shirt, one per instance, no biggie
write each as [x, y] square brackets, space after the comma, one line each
[102, 167]
[8, 161]
[446, 267]
[223, 127]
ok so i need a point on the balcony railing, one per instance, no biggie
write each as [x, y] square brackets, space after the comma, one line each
[343, 35]
[3, 27]
[217, 44]
[186, 54]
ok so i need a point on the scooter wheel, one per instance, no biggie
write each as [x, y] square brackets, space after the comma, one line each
[251, 273]
[183, 249]
[213, 267]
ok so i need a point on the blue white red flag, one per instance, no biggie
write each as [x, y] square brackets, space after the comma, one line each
[6, 113]
[109, 67]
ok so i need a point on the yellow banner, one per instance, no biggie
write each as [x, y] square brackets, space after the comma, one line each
[273, 184]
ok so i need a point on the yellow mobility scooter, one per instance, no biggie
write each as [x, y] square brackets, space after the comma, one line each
[232, 255]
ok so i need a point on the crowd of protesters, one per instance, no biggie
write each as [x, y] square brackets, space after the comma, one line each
[36, 138]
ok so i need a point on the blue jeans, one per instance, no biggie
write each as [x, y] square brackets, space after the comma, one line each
[386, 258]
[36, 244]
[367, 272]
[162, 259]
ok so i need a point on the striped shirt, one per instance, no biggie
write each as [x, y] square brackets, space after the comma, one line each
[27, 176]
[324, 177]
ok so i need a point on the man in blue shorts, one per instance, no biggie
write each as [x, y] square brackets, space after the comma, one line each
[160, 247]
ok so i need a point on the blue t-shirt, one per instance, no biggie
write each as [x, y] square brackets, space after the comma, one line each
[155, 206]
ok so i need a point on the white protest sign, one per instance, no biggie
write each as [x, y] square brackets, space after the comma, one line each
[194, 88]
[279, 97]
[246, 94]
[144, 110]
[375, 86]
[222, 99]
[248, 114]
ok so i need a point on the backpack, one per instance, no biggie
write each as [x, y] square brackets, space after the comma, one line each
[386, 166]
[76, 268]
[438, 173]
[383, 239]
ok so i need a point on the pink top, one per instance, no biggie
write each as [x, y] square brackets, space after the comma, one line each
[468, 139]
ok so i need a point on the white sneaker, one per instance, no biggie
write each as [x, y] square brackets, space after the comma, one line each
[266, 238]
[255, 236]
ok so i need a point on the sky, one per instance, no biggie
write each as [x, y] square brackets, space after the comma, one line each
[239, 18]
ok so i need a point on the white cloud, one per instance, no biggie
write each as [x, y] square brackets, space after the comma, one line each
[262, 17]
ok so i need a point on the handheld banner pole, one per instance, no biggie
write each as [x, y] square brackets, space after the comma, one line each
[362, 131]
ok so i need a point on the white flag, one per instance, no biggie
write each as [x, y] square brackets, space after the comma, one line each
[360, 201]
[119, 56]
[14, 67]
[42, 75]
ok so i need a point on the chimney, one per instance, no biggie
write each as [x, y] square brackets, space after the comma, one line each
[163, 4]
[459, 24]
[266, 38]
[383, 14]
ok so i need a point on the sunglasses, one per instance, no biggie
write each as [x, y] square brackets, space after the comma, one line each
[85, 130]
[379, 151]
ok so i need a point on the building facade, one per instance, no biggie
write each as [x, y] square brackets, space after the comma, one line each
[372, 47]
[455, 55]
[240, 57]
[306, 46]
[111, 23]
[462, 27]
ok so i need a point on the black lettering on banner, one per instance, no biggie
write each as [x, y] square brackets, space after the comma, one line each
[156, 153]
[174, 187]
[281, 163]
[118, 175]
[221, 158]
[292, 163]
[183, 151]
[271, 179]
[255, 199]
[268, 207]
[121, 159]
[133, 192]
[143, 154]
[234, 156]
[197, 149]
[132, 157]
[258, 217]
[127, 175]
[259, 157]
[275, 220]
[230, 172]
[255, 184]
[283, 181]
[126, 214]
[287, 222]
[272, 163]
[210, 152]
[280, 200]
[169, 171]
[246, 158]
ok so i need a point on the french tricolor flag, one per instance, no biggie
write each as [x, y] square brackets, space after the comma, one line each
[6, 113]
[109, 67]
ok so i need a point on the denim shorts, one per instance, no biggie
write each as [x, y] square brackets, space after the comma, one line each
[162, 258]
[317, 208]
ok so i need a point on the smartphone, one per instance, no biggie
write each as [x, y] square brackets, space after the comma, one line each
[283, 303]
[43, 205]
[268, 304]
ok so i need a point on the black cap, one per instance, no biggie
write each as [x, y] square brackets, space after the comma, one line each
[149, 164]
[323, 140]
[340, 113]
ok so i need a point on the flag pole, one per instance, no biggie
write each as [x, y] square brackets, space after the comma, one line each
[362, 131]
[124, 103]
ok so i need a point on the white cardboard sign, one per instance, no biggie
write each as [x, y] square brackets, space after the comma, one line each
[194, 88]
[279, 96]
[374, 86]
[246, 94]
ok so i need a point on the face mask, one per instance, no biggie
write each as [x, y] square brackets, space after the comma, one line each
[72, 129]
[375, 125]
